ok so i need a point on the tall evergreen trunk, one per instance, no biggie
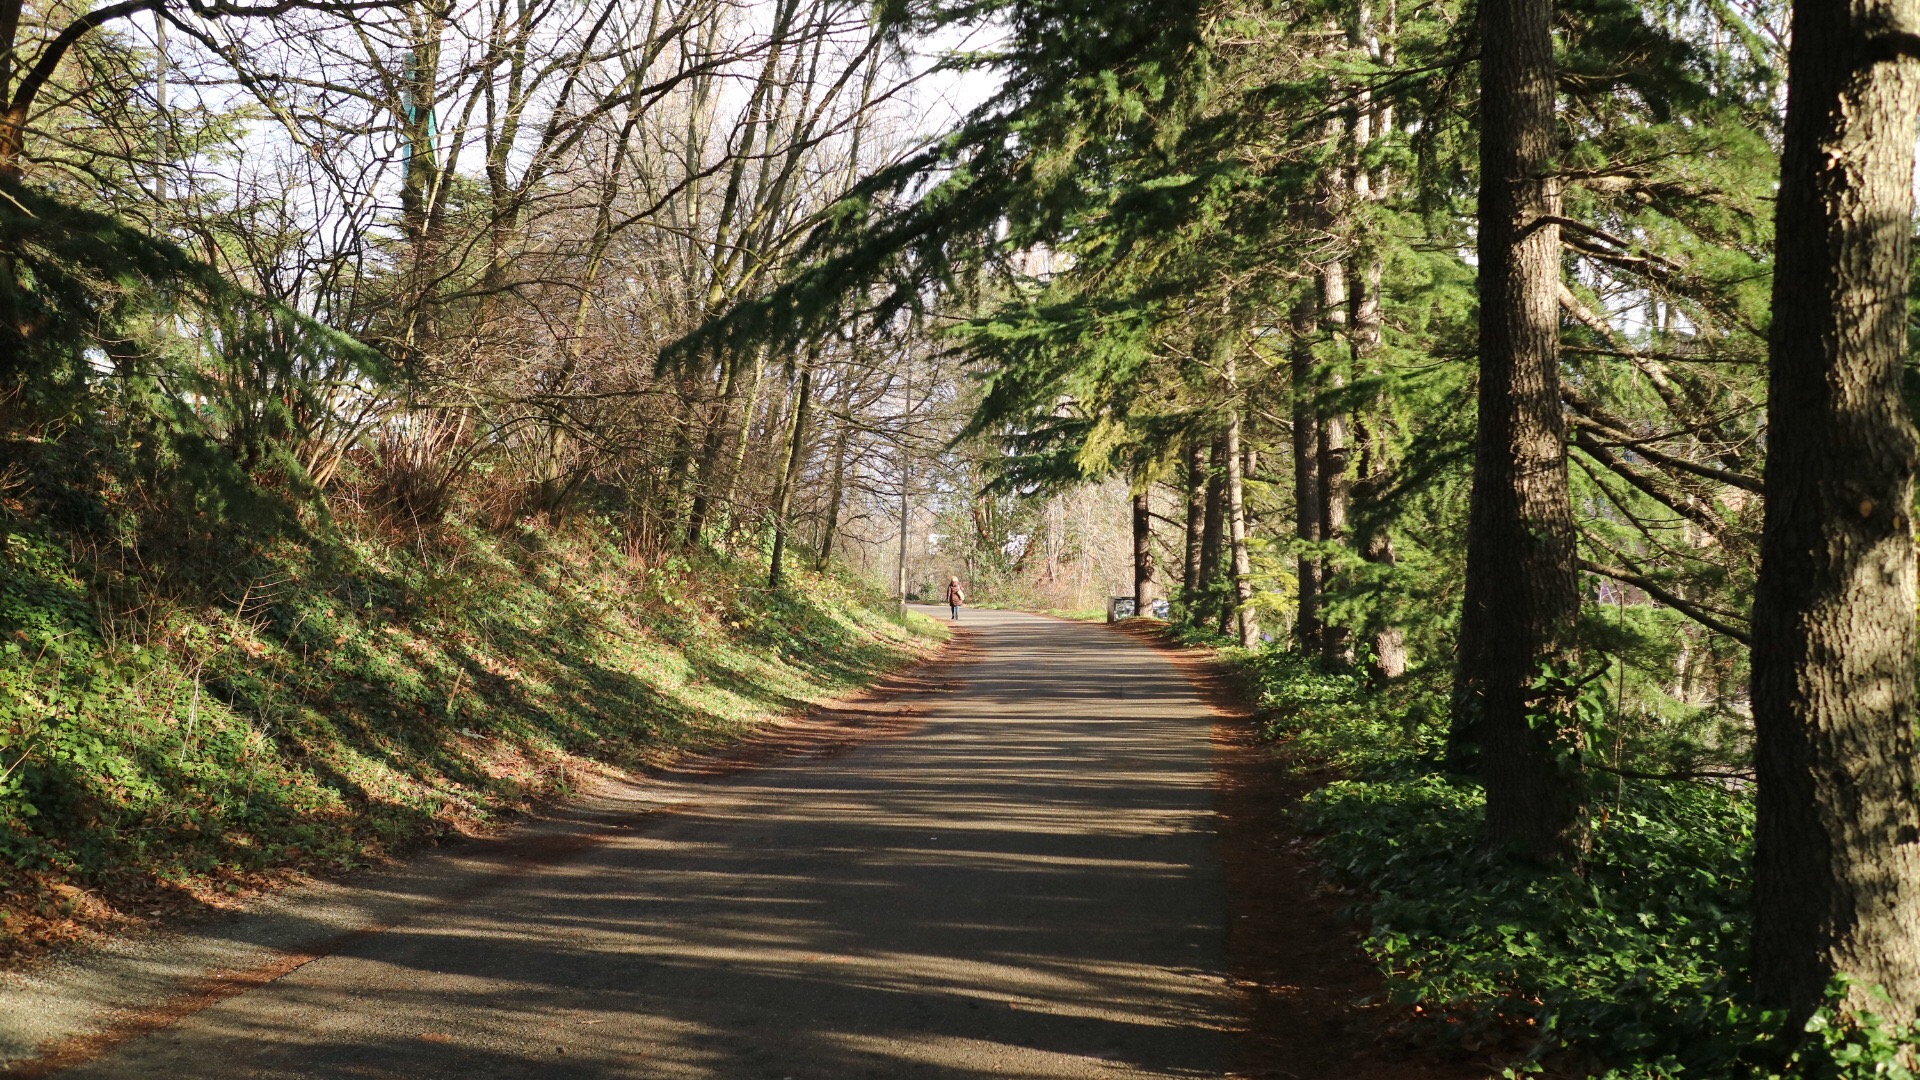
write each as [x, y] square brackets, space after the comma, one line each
[1213, 530]
[1246, 619]
[1389, 639]
[1522, 585]
[1373, 541]
[1837, 838]
[1191, 583]
[1336, 642]
[1145, 587]
[1306, 479]
[1375, 544]
[1371, 538]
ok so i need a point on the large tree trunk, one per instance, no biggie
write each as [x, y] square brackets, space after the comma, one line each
[1145, 589]
[1213, 531]
[1336, 642]
[1375, 543]
[1372, 538]
[1522, 584]
[1248, 620]
[420, 101]
[1837, 840]
[1306, 478]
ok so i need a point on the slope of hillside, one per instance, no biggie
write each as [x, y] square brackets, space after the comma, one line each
[183, 721]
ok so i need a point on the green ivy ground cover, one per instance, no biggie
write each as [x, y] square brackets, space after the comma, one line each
[1633, 967]
[175, 723]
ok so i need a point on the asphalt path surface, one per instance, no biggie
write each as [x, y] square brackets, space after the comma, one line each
[1024, 884]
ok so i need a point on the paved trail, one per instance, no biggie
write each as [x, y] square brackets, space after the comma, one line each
[1024, 885]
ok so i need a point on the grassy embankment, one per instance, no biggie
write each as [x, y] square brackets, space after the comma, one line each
[181, 721]
[1632, 967]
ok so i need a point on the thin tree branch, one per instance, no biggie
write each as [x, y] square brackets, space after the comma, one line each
[1673, 600]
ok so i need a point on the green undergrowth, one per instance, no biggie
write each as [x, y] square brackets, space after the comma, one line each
[1631, 968]
[178, 716]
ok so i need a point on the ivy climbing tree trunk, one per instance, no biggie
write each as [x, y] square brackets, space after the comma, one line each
[1837, 839]
[1522, 593]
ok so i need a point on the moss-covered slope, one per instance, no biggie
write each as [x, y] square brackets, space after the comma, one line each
[177, 721]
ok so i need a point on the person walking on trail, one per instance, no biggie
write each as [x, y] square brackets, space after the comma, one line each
[955, 597]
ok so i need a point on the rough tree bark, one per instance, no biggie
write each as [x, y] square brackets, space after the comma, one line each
[1213, 531]
[1336, 642]
[17, 99]
[1248, 620]
[1191, 583]
[1306, 478]
[1522, 593]
[1375, 543]
[1145, 572]
[1837, 840]
[1373, 121]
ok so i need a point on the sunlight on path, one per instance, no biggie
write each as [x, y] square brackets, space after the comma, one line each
[1024, 886]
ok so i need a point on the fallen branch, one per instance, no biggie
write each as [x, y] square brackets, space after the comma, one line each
[1686, 774]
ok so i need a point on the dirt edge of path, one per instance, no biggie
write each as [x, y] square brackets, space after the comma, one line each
[1311, 997]
[520, 846]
